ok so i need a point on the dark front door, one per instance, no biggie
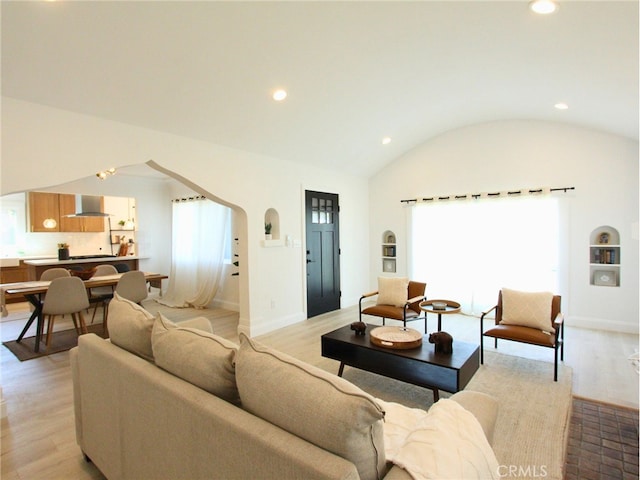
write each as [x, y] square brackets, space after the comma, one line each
[323, 253]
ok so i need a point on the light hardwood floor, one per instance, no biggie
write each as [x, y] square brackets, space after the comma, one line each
[38, 435]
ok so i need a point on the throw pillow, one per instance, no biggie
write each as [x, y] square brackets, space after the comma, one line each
[130, 327]
[315, 405]
[393, 291]
[527, 309]
[199, 357]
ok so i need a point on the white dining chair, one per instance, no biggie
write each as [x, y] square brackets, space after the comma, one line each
[102, 295]
[52, 273]
[65, 295]
[132, 286]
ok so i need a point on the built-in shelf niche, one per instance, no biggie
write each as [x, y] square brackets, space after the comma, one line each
[604, 257]
[272, 216]
[389, 252]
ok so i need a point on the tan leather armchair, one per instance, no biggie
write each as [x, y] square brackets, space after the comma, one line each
[410, 311]
[553, 337]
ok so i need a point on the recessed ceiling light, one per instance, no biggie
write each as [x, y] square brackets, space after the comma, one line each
[386, 140]
[561, 106]
[279, 95]
[543, 7]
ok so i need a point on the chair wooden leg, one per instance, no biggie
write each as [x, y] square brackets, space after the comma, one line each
[555, 364]
[481, 347]
[75, 323]
[105, 315]
[95, 309]
[83, 326]
[50, 329]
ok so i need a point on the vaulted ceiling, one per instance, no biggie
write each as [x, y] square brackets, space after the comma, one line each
[355, 72]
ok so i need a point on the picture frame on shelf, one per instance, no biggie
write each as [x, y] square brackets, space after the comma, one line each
[605, 278]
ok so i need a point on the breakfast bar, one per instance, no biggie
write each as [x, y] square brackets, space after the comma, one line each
[85, 262]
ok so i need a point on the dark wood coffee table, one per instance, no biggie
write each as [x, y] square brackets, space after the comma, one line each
[420, 366]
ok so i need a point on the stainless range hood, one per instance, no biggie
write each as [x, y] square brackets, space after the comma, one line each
[88, 206]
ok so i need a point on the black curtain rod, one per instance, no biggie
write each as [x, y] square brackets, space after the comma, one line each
[189, 199]
[494, 194]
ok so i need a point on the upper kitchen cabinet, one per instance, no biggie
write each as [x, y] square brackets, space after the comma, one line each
[67, 204]
[45, 207]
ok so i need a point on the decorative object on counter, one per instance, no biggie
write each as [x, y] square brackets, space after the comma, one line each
[124, 248]
[83, 274]
[359, 328]
[63, 251]
[121, 223]
[267, 231]
[443, 342]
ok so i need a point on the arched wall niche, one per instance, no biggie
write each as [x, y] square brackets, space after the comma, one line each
[272, 217]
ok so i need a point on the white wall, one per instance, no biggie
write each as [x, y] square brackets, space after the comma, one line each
[505, 155]
[272, 280]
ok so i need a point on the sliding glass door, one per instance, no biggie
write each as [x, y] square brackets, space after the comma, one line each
[467, 250]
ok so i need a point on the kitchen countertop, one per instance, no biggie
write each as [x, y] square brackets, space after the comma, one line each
[54, 261]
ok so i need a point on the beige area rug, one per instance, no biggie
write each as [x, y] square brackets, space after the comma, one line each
[532, 428]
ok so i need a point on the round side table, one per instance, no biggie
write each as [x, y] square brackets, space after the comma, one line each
[440, 307]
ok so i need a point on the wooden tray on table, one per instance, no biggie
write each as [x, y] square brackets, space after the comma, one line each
[399, 338]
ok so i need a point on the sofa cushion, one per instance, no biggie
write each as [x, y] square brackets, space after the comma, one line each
[130, 326]
[393, 291]
[315, 405]
[527, 309]
[198, 357]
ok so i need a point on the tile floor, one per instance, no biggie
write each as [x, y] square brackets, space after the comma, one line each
[603, 442]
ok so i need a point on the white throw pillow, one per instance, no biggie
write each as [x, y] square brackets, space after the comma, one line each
[393, 291]
[199, 357]
[321, 408]
[527, 309]
[130, 327]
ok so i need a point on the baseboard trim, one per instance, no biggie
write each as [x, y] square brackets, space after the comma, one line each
[264, 328]
[603, 324]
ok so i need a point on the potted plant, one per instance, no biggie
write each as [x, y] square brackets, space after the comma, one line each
[267, 231]
[63, 251]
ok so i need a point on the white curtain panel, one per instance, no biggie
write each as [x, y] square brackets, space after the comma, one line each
[200, 228]
[468, 250]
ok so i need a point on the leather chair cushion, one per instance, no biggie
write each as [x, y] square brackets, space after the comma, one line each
[522, 334]
[388, 311]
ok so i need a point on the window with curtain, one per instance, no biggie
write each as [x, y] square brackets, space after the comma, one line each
[468, 250]
[200, 236]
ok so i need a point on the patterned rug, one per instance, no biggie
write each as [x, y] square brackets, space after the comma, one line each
[60, 342]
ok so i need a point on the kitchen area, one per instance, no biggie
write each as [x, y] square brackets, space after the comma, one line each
[42, 230]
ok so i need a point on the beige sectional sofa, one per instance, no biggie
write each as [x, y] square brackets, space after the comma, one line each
[160, 401]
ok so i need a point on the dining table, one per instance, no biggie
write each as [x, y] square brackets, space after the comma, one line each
[34, 292]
